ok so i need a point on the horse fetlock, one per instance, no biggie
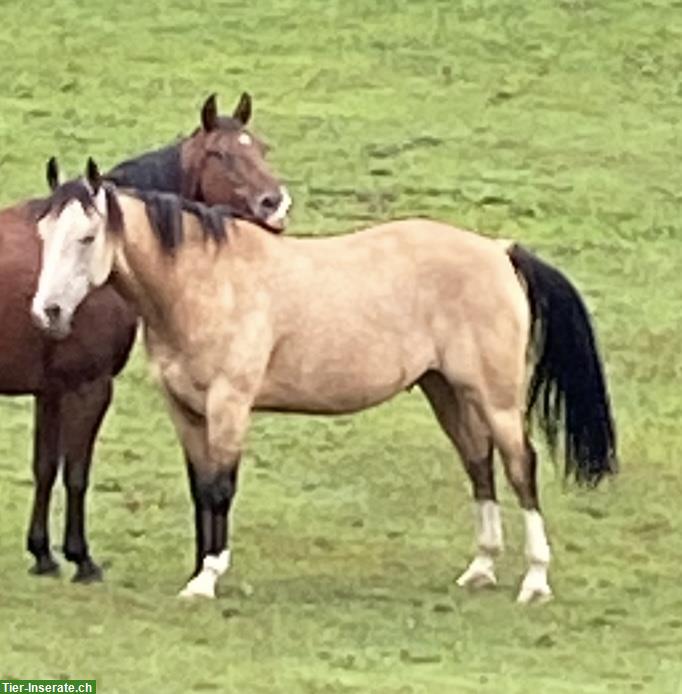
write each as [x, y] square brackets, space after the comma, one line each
[204, 583]
[75, 550]
[38, 545]
[219, 564]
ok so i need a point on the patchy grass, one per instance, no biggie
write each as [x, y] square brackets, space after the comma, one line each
[556, 122]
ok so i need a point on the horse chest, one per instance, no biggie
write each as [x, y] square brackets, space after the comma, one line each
[178, 376]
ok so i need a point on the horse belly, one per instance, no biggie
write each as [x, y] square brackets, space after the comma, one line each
[317, 383]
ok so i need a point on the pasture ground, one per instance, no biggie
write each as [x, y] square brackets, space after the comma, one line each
[556, 122]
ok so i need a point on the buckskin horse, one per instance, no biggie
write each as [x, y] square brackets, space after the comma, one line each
[221, 162]
[237, 320]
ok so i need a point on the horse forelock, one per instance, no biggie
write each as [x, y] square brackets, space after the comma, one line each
[77, 190]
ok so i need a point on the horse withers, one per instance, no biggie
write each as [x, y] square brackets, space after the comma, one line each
[249, 321]
[221, 162]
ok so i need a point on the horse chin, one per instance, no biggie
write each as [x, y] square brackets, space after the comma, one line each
[54, 330]
[276, 224]
[58, 331]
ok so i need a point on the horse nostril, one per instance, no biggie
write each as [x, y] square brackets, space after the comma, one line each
[53, 311]
[269, 202]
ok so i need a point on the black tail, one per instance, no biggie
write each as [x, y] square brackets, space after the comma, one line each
[568, 383]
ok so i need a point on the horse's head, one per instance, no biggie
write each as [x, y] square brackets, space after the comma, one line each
[226, 165]
[77, 254]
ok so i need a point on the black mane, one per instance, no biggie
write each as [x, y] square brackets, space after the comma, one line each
[156, 179]
[164, 212]
[159, 170]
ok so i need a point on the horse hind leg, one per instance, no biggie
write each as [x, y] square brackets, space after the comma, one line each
[46, 457]
[520, 465]
[83, 412]
[493, 379]
[466, 430]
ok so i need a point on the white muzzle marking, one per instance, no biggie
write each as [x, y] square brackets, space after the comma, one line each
[278, 217]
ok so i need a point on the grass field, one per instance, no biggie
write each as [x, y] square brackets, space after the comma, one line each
[558, 122]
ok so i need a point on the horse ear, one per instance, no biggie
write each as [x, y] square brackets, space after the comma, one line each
[93, 175]
[209, 114]
[52, 173]
[242, 112]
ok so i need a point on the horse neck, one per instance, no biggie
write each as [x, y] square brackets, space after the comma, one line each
[167, 287]
[140, 268]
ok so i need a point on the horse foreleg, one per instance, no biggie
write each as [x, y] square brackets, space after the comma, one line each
[83, 411]
[46, 449]
[213, 467]
[212, 495]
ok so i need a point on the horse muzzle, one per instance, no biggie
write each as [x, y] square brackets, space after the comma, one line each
[51, 319]
[273, 209]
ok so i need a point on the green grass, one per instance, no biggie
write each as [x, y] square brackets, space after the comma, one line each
[556, 122]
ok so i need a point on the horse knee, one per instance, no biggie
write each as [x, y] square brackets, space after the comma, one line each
[76, 477]
[215, 491]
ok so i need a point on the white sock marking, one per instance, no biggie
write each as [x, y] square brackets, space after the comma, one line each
[535, 585]
[481, 571]
[537, 547]
[489, 526]
[204, 583]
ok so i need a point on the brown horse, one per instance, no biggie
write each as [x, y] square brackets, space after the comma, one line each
[251, 321]
[221, 162]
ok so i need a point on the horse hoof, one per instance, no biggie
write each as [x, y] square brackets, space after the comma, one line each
[187, 593]
[201, 586]
[537, 596]
[535, 588]
[477, 579]
[45, 566]
[480, 574]
[88, 572]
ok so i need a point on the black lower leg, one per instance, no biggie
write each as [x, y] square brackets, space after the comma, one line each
[45, 465]
[75, 544]
[38, 541]
[203, 517]
[225, 488]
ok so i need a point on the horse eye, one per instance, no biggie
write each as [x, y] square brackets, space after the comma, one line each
[224, 156]
[87, 240]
